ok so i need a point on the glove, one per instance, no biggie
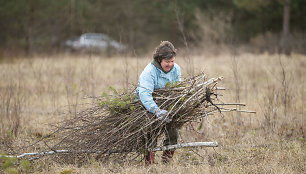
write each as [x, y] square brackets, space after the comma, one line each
[161, 115]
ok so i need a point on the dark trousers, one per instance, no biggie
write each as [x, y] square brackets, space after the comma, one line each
[171, 137]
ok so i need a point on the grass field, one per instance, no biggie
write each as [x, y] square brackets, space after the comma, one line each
[34, 93]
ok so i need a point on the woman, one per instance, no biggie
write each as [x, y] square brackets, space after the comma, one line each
[156, 74]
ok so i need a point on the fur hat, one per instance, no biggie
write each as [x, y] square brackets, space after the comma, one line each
[165, 50]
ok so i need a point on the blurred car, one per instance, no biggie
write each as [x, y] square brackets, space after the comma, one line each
[96, 42]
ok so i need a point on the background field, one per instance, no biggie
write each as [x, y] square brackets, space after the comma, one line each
[38, 92]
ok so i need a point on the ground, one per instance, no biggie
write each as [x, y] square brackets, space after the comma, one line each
[35, 93]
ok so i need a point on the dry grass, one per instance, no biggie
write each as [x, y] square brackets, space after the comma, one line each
[271, 141]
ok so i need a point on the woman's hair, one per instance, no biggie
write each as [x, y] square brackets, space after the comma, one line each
[165, 50]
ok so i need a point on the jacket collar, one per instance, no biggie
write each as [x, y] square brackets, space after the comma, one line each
[157, 65]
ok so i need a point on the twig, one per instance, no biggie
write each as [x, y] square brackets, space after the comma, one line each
[185, 145]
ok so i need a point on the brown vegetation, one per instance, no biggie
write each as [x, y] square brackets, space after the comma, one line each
[38, 92]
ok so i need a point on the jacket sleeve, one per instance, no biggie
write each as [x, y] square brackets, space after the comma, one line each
[146, 87]
[178, 79]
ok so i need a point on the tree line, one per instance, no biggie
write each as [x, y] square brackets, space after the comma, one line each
[40, 25]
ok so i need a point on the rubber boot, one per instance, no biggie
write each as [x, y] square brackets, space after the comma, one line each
[149, 158]
[167, 155]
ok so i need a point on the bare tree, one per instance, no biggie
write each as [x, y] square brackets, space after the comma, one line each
[285, 40]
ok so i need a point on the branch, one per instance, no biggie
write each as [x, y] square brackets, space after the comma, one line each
[185, 145]
[169, 147]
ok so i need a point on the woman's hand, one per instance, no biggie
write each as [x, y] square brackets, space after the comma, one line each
[162, 115]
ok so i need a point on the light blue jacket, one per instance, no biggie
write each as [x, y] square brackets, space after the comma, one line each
[153, 78]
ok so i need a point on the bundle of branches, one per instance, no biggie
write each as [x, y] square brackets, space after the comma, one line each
[119, 123]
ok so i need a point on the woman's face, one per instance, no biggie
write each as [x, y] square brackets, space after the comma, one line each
[167, 64]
